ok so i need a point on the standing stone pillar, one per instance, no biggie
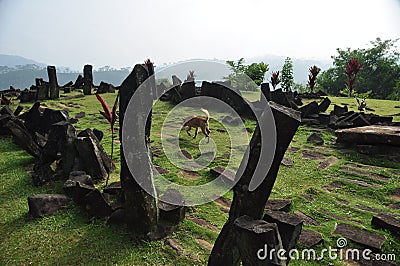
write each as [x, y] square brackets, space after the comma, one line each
[252, 203]
[141, 212]
[266, 91]
[87, 79]
[53, 84]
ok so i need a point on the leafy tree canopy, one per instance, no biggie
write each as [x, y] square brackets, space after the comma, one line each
[287, 75]
[379, 75]
[244, 76]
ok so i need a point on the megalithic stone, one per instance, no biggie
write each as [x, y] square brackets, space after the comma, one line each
[266, 91]
[87, 79]
[54, 91]
[141, 212]
[252, 203]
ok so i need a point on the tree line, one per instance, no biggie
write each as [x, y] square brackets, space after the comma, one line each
[370, 72]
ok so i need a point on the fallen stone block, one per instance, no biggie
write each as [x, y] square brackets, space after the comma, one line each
[360, 236]
[171, 206]
[255, 238]
[316, 138]
[289, 227]
[278, 205]
[324, 105]
[370, 135]
[46, 204]
[77, 191]
[386, 222]
[96, 205]
[310, 238]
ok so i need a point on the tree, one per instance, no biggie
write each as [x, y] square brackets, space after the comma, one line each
[352, 68]
[379, 74]
[287, 75]
[256, 72]
[246, 77]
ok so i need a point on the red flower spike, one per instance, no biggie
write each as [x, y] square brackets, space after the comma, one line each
[107, 113]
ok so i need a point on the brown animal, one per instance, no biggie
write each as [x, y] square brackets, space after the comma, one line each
[198, 122]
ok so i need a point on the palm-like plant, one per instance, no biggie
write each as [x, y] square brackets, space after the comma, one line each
[353, 66]
[111, 117]
[275, 79]
[312, 77]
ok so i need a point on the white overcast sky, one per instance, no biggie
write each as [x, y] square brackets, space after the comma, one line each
[123, 32]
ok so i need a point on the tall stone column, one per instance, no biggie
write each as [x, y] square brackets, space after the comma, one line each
[53, 84]
[87, 79]
[252, 203]
[141, 210]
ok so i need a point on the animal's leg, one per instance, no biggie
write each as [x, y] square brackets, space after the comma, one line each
[195, 132]
[187, 130]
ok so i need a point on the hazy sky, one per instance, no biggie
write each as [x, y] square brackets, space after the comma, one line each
[123, 32]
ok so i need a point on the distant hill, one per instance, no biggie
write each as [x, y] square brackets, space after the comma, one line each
[21, 72]
[15, 60]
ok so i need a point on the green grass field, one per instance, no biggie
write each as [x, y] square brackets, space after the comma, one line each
[70, 237]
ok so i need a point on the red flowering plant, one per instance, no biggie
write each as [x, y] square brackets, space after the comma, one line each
[353, 66]
[312, 76]
[275, 79]
[111, 117]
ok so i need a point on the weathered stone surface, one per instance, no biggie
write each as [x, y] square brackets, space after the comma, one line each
[312, 155]
[82, 178]
[141, 210]
[23, 138]
[363, 173]
[323, 106]
[173, 213]
[289, 226]
[328, 162]
[252, 203]
[77, 191]
[80, 115]
[360, 236]
[252, 235]
[334, 185]
[278, 205]
[387, 222]
[91, 157]
[309, 109]
[359, 182]
[42, 173]
[96, 205]
[310, 238]
[87, 79]
[117, 217]
[316, 138]
[339, 110]
[113, 188]
[54, 90]
[227, 175]
[306, 219]
[46, 204]
[373, 135]
[287, 161]
[174, 244]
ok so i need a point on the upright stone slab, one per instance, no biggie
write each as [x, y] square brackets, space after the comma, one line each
[87, 79]
[266, 91]
[252, 203]
[141, 212]
[54, 91]
[255, 239]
